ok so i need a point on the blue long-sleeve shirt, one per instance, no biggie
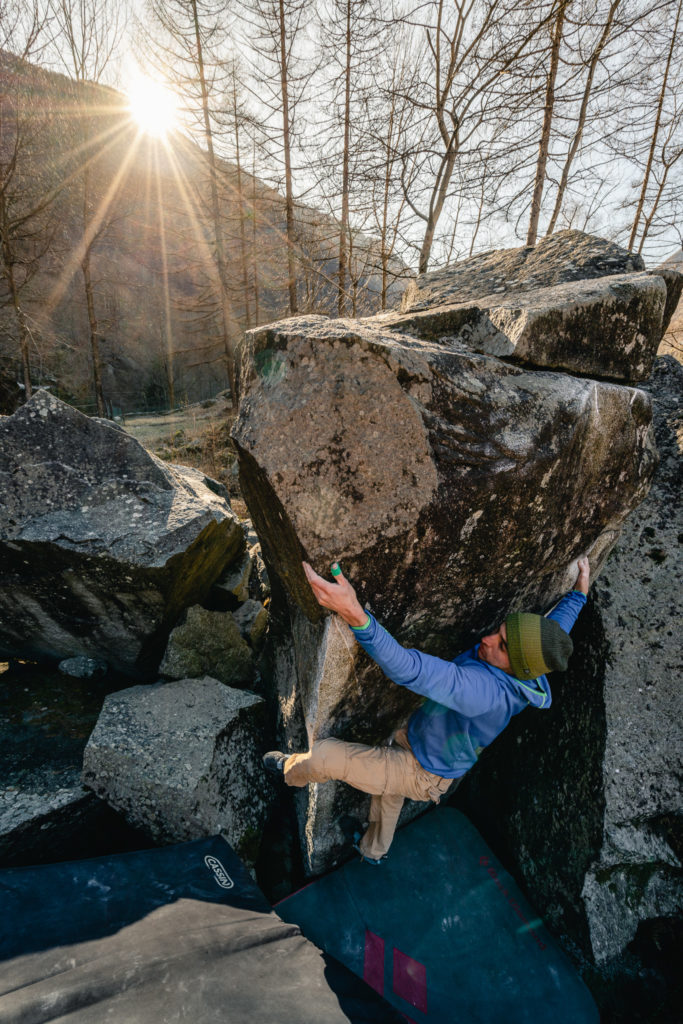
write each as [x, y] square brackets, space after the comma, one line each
[469, 702]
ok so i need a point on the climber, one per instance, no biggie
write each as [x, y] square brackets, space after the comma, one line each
[469, 702]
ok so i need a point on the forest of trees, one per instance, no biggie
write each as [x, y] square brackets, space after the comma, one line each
[325, 151]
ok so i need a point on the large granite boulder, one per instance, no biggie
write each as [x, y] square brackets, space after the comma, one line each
[182, 760]
[637, 874]
[39, 812]
[563, 257]
[574, 302]
[103, 546]
[607, 327]
[586, 803]
[454, 487]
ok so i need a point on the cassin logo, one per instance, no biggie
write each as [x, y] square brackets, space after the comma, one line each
[219, 872]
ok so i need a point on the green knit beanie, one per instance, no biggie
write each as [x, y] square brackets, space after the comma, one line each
[536, 645]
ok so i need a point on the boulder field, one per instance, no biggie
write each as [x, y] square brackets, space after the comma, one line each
[121, 569]
[457, 456]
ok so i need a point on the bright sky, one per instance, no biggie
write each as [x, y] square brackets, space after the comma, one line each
[152, 105]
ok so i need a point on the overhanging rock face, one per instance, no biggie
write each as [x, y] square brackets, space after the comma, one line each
[453, 487]
[102, 544]
[586, 802]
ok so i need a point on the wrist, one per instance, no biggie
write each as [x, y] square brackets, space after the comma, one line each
[357, 619]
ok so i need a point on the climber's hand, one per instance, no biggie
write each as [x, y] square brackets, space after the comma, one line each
[583, 579]
[339, 596]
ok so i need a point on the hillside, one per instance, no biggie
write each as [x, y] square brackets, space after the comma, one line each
[152, 265]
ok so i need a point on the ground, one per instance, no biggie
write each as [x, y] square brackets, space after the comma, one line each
[197, 435]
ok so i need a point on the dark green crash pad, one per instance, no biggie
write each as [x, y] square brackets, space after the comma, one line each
[441, 931]
[159, 936]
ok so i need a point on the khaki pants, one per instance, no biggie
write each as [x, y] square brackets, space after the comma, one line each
[389, 774]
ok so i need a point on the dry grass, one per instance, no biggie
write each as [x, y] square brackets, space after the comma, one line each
[198, 436]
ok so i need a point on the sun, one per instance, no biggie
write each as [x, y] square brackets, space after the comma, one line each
[152, 106]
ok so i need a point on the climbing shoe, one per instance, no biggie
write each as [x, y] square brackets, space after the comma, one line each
[274, 762]
[367, 860]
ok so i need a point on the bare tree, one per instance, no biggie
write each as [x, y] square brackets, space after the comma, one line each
[592, 64]
[384, 139]
[277, 31]
[351, 33]
[548, 110]
[237, 114]
[187, 45]
[27, 184]
[89, 33]
[671, 150]
[467, 51]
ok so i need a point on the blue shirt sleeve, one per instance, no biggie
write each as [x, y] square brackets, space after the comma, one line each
[566, 612]
[471, 690]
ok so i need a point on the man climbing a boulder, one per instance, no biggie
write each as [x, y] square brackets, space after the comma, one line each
[469, 701]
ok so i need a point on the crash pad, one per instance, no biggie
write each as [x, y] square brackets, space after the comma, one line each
[442, 931]
[180, 933]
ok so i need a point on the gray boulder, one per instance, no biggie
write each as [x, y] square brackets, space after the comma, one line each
[102, 544]
[637, 872]
[586, 803]
[565, 256]
[81, 667]
[453, 487]
[39, 812]
[606, 327]
[208, 643]
[181, 760]
[252, 622]
[45, 813]
[574, 302]
[672, 342]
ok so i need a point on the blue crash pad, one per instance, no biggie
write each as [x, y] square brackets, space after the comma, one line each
[159, 936]
[441, 931]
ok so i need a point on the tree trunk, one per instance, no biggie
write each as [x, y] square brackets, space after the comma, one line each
[578, 134]
[24, 336]
[94, 336]
[436, 205]
[289, 196]
[254, 264]
[655, 133]
[240, 202]
[344, 225]
[168, 329]
[384, 250]
[8, 261]
[90, 302]
[655, 204]
[544, 144]
[215, 208]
